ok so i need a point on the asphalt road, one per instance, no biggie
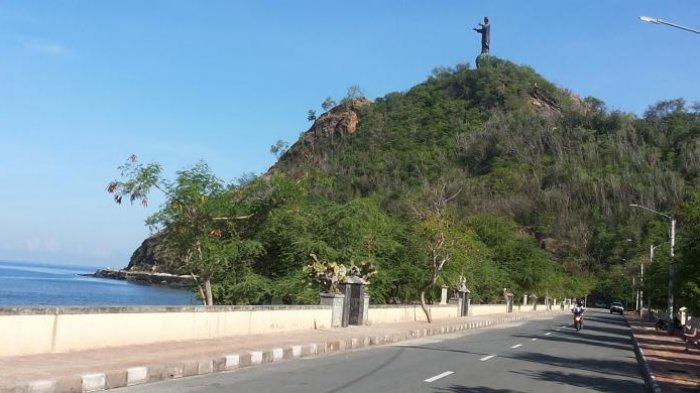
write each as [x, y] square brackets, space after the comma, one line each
[535, 356]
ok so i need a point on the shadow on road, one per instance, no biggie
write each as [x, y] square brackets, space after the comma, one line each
[618, 331]
[610, 320]
[474, 389]
[580, 338]
[602, 384]
[609, 367]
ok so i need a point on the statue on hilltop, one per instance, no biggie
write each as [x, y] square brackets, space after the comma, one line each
[485, 30]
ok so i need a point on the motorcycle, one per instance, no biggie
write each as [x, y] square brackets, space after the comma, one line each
[578, 322]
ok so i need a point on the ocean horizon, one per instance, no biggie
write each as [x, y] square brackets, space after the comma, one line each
[35, 284]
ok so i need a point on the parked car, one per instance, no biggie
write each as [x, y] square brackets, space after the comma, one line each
[617, 307]
[601, 304]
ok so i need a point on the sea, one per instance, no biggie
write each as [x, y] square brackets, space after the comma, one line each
[40, 284]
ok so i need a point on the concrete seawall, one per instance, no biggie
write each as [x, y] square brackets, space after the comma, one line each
[29, 331]
[53, 330]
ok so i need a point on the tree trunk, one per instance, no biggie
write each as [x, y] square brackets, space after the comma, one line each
[207, 289]
[201, 294]
[200, 288]
[425, 289]
[425, 308]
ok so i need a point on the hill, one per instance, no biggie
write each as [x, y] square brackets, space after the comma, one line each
[539, 183]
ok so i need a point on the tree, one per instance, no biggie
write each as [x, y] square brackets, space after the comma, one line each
[435, 232]
[200, 220]
[354, 93]
[689, 255]
[328, 104]
[279, 148]
[311, 115]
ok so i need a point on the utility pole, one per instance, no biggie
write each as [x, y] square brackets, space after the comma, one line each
[636, 298]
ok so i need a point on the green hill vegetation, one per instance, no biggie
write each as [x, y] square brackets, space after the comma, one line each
[522, 185]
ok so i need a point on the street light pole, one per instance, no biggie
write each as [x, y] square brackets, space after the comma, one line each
[641, 279]
[671, 275]
[671, 265]
[659, 21]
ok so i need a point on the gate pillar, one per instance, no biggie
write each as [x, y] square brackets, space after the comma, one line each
[356, 303]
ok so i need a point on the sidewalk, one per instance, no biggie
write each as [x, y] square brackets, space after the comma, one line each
[673, 369]
[115, 367]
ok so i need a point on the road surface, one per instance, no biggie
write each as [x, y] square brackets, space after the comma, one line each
[535, 356]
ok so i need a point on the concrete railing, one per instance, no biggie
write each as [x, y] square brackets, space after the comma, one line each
[27, 331]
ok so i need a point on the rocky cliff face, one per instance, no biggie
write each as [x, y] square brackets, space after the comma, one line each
[340, 121]
[149, 256]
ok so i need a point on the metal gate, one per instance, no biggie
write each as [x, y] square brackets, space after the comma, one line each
[354, 304]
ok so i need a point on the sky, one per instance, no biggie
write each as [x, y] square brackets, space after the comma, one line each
[85, 84]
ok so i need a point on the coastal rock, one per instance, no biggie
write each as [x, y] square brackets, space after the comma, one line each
[149, 278]
[149, 256]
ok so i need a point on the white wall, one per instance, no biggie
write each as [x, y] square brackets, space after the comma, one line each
[378, 314]
[412, 312]
[54, 332]
[487, 309]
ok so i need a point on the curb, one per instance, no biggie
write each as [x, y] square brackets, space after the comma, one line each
[146, 374]
[642, 360]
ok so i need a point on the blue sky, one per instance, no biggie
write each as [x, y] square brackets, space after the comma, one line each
[84, 84]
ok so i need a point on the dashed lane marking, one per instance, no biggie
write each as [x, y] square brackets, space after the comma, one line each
[485, 358]
[435, 378]
[516, 346]
[534, 339]
[548, 333]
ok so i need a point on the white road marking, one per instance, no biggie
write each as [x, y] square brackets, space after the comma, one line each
[534, 339]
[435, 378]
[548, 333]
[485, 358]
[516, 346]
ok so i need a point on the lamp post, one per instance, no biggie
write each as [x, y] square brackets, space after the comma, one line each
[671, 265]
[659, 21]
[641, 271]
